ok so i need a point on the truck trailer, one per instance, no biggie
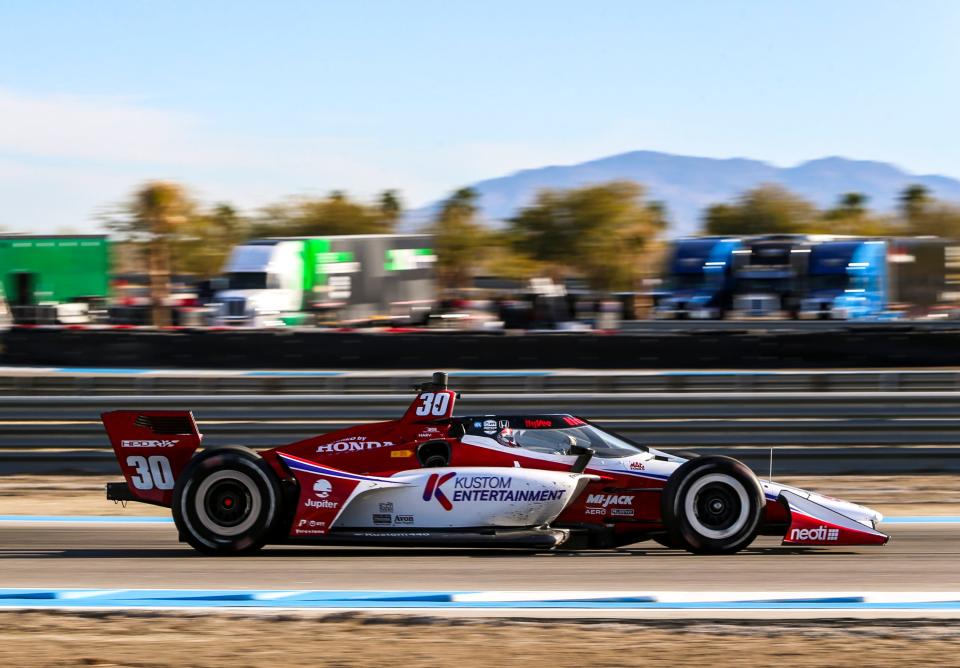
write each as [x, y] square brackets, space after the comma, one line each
[51, 279]
[924, 276]
[336, 279]
[858, 278]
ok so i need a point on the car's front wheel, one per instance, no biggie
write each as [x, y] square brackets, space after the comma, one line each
[712, 505]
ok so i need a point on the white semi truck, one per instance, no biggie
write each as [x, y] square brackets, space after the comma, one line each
[335, 279]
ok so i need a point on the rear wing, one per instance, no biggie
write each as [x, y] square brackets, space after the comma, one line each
[152, 448]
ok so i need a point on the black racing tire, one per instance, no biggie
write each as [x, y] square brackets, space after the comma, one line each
[227, 501]
[665, 541]
[712, 505]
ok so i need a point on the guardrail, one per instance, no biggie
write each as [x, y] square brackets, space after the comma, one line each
[811, 432]
[120, 381]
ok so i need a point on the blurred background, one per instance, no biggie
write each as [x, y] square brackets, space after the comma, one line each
[540, 167]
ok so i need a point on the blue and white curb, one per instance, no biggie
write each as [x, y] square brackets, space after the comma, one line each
[181, 599]
[84, 519]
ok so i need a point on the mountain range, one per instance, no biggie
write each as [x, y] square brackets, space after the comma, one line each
[689, 184]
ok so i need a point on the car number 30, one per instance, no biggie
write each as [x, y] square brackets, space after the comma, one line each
[433, 403]
[151, 472]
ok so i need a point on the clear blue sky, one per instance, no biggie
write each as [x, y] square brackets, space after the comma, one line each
[249, 101]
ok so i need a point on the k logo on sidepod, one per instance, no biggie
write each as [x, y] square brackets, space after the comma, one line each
[432, 489]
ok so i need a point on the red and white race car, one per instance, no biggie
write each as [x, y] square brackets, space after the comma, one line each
[432, 479]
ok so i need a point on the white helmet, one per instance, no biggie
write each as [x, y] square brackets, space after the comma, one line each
[508, 437]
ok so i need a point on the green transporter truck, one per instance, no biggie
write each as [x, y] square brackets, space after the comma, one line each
[54, 278]
[336, 279]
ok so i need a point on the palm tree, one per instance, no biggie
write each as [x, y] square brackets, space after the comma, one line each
[459, 238]
[853, 203]
[157, 209]
[913, 201]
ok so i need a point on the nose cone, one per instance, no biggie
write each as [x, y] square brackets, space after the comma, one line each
[820, 520]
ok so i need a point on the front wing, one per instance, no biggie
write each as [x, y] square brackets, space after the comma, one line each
[812, 523]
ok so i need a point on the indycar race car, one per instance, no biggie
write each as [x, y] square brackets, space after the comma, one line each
[432, 479]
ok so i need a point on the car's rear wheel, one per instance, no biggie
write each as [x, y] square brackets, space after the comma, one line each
[226, 501]
[712, 505]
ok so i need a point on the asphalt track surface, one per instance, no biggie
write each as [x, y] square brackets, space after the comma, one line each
[918, 558]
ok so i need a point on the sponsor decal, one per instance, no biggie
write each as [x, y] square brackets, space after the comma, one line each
[408, 259]
[821, 533]
[622, 512]
[596, 511]
[637, 466]
[498, 488]
[477, 424]
[525, 495]
[382, 518]
[484, 482]
[504, 424]
[433, 489]
[538, 423]
[489, 426]
[392, 534]
[430, 432]
[149, 444]
[484, 488]
[386, 507]
[321, 503]
[322, 489]
[401, 453]
[404, 519]
[337, 263]
[311, 523]
[610, 500]
[354, 444]
[573, 422]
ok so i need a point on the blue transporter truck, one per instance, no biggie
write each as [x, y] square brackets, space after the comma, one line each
[856, 279]
[770, 274]
[847, 279]
[698, 279]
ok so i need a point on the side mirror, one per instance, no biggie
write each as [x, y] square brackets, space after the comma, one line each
[584, 455]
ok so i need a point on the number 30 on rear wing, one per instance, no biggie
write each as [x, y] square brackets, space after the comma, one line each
[152, 448]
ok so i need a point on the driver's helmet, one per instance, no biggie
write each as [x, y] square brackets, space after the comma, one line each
[508, 437]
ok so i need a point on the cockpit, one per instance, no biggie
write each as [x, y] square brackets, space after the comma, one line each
[551, 434]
